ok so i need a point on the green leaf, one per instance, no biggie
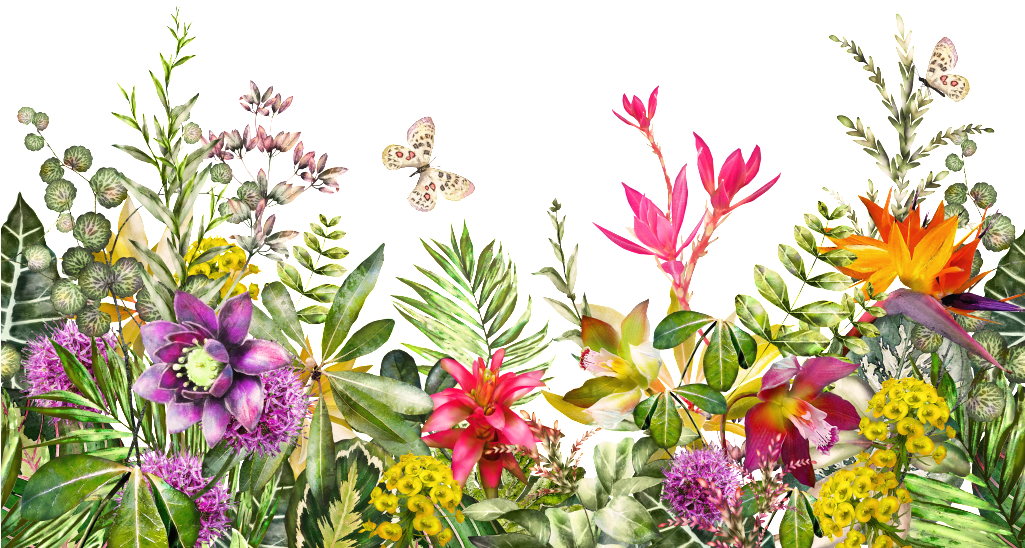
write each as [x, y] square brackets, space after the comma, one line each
[137, 154]
[666, 423]
[315, 314]
[561, 527]
[12, 448]
[612, 462]
[331, 269]
[324, 293]
[370, 416]
[597, 388]
[771, 286]
[955, 517]
[629, 486]
[806, 342]
[805, 239]
[86, 435]
[179, 508]
[507, 540]
[396, 395]
[320, 459]
[149, 200]
[25, 305]
[642, 413]
[303, 256]
[72, 413]
[533, 521]
[366, 339]
[833, 281]
[64, 482]
[752, 314]
[400, 366]
[79, 375]
[490, 509]
[705, 397]
[626, 520]
[792, 261]
[720, 360]
[592, 494]
[938, 490]
[677, 327]
[821, 313]
[796, 530]
[349, 301]
[1008, 281]
[137, 523]
[290, 276]
[747, 348]
[555, 277]
[278, 302]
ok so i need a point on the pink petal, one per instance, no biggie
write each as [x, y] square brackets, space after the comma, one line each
[147, 385]
[222, 383]
[496, 360]
[188, 308]
[516, 431]
[182, 415]
[780, 372]
[245, 400]
[234, 318]
[257, 356]
[445, 438]
[466, 452]
[462, 376]
[795, 449]
[154, 335]
[753, 163]
[638, 109]
[765, 428]
[694, 232]
[446, 416]
[818, 373]
[623, 242]
[839, 412]
[679, 205]
[732, 174]
[756, 193]
[491, 473]
[634, 198]
[652, 103]
[625, 121]
[496, 419]
[928, 311]
[706, 169]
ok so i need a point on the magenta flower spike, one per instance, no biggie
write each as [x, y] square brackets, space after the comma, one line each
[799, 412]
[735, 174]
[205, 368]
[636, 110]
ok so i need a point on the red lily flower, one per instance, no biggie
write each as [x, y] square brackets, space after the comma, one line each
[734, 176]
[799, 412]
[482, 399]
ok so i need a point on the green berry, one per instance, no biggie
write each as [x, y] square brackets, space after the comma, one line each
[954, 162]
[34, 142]
[127, 276]
[92, 322]
[94, 280]
[51, 171]
[78, 158]
[65, 222]
[968, 147]
[192, 133]
[25, 115]
[40, 120]
[986, 402]
[66, 297]
[10, 361]
[220, 173]
[38, 257]
[74, 260]
[60, 195]
[956, 194]
[93, 231]
[106, 185]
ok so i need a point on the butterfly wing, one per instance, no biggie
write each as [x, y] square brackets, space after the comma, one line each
[421, 142]
[452, 186]
[424, 195]
[938, 75]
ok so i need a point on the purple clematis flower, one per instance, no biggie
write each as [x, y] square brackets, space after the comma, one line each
[204, 367]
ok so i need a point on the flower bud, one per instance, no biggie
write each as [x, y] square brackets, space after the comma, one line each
[60, 195]
[78, 158]
[25, 115]
[34, 142]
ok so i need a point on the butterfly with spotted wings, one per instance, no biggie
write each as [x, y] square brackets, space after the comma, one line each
[424, 195]
[938, 76]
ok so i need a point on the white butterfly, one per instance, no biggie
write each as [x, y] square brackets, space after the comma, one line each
[939, 77]
[425, 194]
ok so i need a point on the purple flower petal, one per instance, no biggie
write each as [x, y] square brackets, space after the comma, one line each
[189, 308]
[205, 332]
[970, 301]
[180, 416]
[186, 336]
[193, 395]
[215, 420]
[154, 334]
[147, 386]
[169, 379]
[928, 311]
[245, 400]
[257, 356]
[169, 353]
[233, 319]
[222, 383]
[216, 350]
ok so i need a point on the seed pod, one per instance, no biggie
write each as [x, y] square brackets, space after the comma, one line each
[74, 260]
[954, 162]
[93, 231]
[127, 276]
[220, 173]
[925, 339]
[40, 120]
[66, 297]
[25, 115]
[60, 195]
[10, 361]
[78, 158]
[38, 257]
[106, 185]
[51, 171]
[34, 142]
[65, 222]
[95, 280]
[986, 402]
[93, 322]
[192, 133]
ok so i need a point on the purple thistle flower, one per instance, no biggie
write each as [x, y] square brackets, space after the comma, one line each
[285, 407]
[184, 472]
[43, 369]
[206, 368]
[687, 497]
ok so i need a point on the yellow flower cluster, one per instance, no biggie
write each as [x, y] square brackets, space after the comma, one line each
[863, 501]
[228, 262]
[912, 413]
[413, 489]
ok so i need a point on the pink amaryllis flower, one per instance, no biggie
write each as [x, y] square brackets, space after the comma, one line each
[734, 175]
[205, 366]
[482, 398]
[799, 412]
[658, 233]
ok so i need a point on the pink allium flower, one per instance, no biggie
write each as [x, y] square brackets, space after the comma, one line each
[43, 369]
[285, 407]
[692, 499]
[184, 472]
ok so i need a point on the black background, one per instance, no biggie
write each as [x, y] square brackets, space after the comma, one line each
[522, 102]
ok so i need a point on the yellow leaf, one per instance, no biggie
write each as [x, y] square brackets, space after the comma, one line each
[573, 412]
[129, 227]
